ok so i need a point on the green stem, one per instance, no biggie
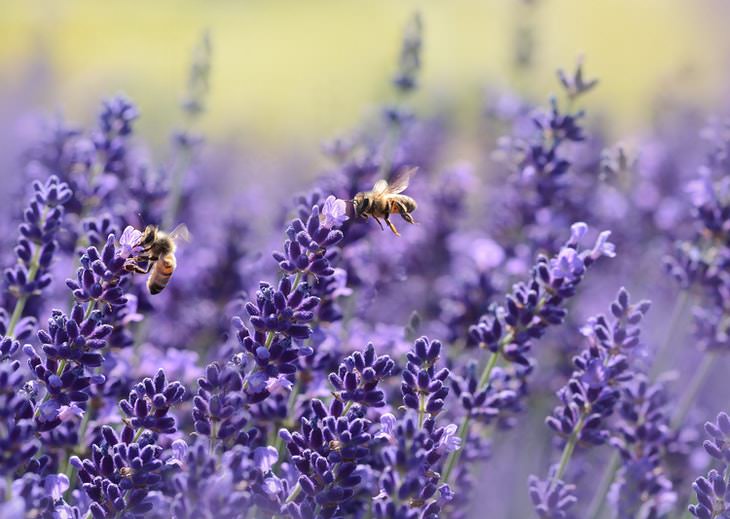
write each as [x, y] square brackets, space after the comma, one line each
[680, 308]
[421, 410]
[213, 435]
[8, 487]
[290, 407]
[176, 189]
[487, 373]
[568, 449]
[690, 394]
[89, 309]
[453, 458]
[297, 280]
[70, 469]
[62, 364]
[17, 314]
[137, 435]
[599, 499]
[294, 493]
[32, 273]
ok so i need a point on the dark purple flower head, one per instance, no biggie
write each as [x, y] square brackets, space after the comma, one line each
[498, 401]
[36, 244]
[306, 247]
[713, 499]
[117, 115]
[76, 338]
[286, 309]
[120, 474]
[326, 452]
[409, 61]
[718, 446]
[574, 84]
[552, 499]
[534, 306]
[358, 377]
[643, 486]
[423, 387]
[592, 392]
[149, 402]
[99, 278]
[18, 442]
[409, 483]
[218, 406]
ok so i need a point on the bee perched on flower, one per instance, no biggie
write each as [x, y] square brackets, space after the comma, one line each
[153, 252]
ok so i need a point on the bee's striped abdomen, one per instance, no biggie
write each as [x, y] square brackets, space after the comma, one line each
[161, 274]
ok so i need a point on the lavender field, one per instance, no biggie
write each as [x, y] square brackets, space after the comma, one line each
[443, 293]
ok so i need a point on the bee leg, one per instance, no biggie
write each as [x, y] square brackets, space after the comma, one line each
[390, 224]
[407, 217]
[134, 267]
[379, 223]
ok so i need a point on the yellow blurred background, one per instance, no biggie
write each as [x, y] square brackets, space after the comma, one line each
[292, 72]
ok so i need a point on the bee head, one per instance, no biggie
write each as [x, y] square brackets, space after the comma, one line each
[149, 236]
[360, 204]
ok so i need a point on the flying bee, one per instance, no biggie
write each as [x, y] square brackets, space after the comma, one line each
[158, 255]
[385, 199]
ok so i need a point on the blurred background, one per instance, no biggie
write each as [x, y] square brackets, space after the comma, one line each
[287, 74]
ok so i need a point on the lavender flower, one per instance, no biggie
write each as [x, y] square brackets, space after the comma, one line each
[99, 278]
[120, 475]
[36, 244]
[149, 404]
[357, 378]
[590, 396]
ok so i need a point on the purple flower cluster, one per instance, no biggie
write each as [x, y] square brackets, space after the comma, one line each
[363, 374]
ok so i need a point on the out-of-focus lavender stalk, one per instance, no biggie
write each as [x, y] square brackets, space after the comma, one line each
[530, 309]
[590, 396]
[405, 82]
[193, 107]
[36, 245]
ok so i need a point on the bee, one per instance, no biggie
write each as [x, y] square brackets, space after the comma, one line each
[385, 199]
[158, 255]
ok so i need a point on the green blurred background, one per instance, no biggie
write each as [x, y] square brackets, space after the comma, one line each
[288, 73]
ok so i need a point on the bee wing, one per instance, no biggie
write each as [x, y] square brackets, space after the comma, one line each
[180, 233]
[380, 187]
[401, 181]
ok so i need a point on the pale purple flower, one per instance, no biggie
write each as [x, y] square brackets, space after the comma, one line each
[449, 442]
[445, 495]
[128, 242]
[69, 412]
[279, 384]
[179, 451]
[272, 487]
[577, 231]
[568, 264]
[257, 382]
[603, 247]
[265, 457]
[55, 485]
[341, 289]
[387, 428]
[130, 314]
[334, 212]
